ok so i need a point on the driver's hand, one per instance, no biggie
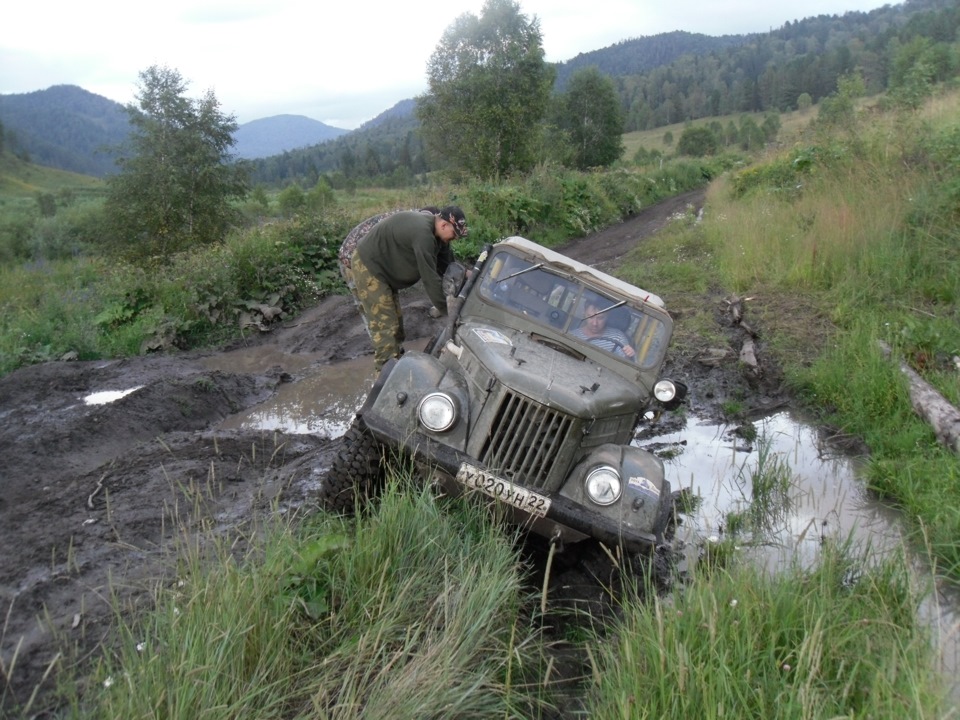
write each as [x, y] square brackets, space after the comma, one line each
[629, 351]
[434, 313]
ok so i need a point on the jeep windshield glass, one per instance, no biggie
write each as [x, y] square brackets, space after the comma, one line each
[585, 316]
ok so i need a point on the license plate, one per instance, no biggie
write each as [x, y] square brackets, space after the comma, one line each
[503, 490]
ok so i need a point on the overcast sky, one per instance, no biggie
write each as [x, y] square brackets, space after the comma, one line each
[341, 62]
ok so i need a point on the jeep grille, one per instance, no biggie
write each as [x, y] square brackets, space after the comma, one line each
[525, 440]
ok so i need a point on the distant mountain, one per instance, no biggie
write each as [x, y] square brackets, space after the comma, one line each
[65, 127]
[279, 133]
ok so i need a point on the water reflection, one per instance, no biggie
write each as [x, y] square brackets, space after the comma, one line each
[823, 499]
[322, 404]
[821, 496]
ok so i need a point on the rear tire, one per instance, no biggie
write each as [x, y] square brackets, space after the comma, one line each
[356, 474]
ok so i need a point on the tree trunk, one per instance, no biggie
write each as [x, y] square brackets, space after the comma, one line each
[933, 407]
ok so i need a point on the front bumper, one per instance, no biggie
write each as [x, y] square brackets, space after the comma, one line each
[562, 510]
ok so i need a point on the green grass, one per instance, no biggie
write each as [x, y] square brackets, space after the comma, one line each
[840, 640]
[409, 611]
[417, 609]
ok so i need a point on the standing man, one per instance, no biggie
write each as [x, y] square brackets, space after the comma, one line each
[357, 234]
[398, 251]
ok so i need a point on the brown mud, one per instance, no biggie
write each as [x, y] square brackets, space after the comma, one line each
[92, 496]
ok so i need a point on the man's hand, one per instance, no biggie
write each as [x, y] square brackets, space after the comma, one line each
[434, 313]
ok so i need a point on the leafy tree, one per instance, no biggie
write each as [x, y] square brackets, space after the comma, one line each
[751, 136]
[771, 126]
[489, 89]
[644, 157]
[839, 110]
[697, 141]
[589, 112]
[176, 181]
[291, 200]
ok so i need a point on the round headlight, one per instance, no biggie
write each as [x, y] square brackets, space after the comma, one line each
[665, 391]
[437, 412]
[603, 485]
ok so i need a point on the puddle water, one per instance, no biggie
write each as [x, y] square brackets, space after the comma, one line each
[108, 396]
[807, 494]
[322, 404]
[814, 494]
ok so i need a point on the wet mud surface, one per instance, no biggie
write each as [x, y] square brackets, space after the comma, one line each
[94, 495]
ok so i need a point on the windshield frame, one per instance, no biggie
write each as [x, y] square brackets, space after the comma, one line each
[557, 301]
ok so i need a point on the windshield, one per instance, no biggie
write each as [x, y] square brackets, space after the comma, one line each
[582, 313]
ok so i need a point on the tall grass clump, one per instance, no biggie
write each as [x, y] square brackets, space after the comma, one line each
[48, 309]
[836, 222]
[409, 611]
[838, 640]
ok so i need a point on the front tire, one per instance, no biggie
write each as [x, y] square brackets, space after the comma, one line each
[356, 474]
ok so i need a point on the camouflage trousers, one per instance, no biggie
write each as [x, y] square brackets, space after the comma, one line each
[380, 307]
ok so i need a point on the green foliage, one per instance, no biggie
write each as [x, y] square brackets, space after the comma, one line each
[838, 639]
[644, 157]
[839, 110]
[291, 200]
[589, 113]
[697, 141]
[782, 175]
[74, 230]
[176, 180]
[420, 619]
[488, 90]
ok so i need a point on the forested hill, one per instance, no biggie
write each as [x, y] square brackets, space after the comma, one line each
[799, 62]
[64, 127]
[680, 77]
[640, 55]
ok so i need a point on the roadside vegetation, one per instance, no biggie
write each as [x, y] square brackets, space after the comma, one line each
[844, 236]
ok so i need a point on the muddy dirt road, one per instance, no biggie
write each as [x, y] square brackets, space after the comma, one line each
[95, 487]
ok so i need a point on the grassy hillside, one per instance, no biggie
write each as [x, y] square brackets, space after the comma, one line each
[20, 179]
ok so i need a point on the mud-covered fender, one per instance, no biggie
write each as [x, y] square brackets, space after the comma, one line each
[645, 496]
[391, 406]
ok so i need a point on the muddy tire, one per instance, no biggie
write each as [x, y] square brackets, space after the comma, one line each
[356, 474]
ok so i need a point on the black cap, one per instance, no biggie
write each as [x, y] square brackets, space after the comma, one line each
[454, 215]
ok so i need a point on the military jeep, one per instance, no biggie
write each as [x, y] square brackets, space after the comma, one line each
[514, 398]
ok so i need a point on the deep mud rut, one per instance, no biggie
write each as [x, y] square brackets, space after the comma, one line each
[92, 496]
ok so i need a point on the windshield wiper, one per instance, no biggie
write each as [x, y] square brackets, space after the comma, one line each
[608, 309]
[521, 272]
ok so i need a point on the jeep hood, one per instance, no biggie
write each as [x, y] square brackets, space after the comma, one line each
[580, 387]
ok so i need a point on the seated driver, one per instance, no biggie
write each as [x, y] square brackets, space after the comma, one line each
[594, 330]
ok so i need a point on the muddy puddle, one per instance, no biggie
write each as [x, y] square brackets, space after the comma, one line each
[780, 493]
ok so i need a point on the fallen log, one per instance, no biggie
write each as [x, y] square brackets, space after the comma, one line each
[929, 404]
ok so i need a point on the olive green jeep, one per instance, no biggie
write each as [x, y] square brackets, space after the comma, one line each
[530, 394]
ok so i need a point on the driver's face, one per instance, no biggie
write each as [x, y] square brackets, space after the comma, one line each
[595, 323]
